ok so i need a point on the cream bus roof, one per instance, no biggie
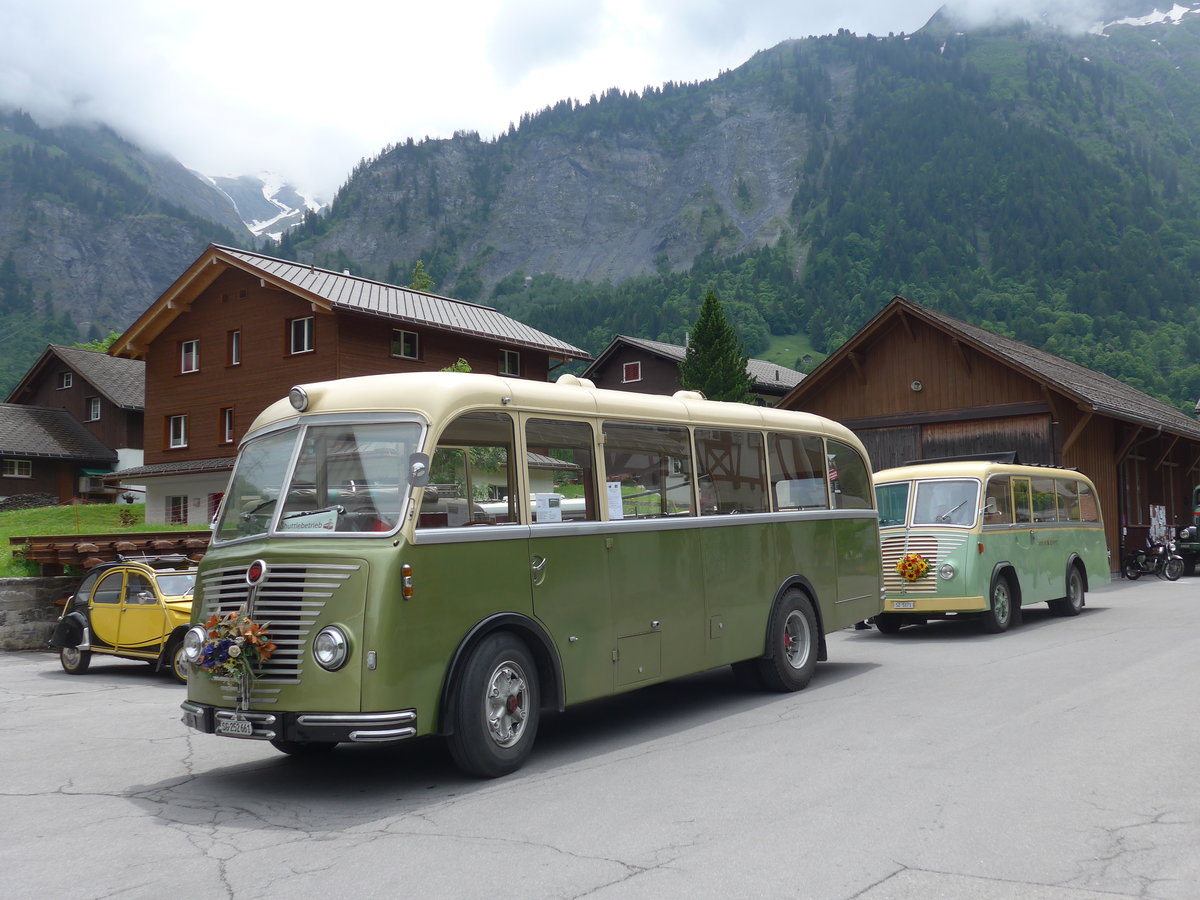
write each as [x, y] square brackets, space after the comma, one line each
[440, 396]
[980, 469]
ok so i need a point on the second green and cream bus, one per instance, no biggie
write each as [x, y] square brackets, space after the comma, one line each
[985, 539]
[443, 553]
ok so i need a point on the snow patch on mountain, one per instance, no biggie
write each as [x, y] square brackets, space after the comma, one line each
[267, 203]
[1173, 16]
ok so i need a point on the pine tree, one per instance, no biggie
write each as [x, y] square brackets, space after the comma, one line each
[420, 278]
[715, 364]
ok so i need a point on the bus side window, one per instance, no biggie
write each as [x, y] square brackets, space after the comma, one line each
[1089, 506]
[1045, 500]
[1068, 499]
[471, 475]
[997, 504]
[1022, 508]
[849, 480]
[797, 464]
[730, 472]
[648, 470]
[561, 471]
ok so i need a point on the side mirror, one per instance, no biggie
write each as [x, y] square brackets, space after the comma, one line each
[418, 469]
[990, 508]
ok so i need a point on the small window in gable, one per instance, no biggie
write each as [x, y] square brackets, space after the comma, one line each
[92, 409]
[65, 380]
[177, 432]
[631, 371]
[235, 348]
[189, 356]
[301, 335]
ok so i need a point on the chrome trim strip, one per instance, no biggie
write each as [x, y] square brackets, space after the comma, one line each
[399, 717]
[395, 734]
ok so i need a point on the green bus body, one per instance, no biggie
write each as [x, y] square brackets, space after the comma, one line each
[610, 602]
[993, 537]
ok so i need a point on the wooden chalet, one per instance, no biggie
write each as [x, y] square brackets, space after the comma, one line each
[238, 329]
[47, 451]
[106, 395]
[652, 367]
[916, 384]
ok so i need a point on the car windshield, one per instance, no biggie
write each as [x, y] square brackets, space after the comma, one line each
[948, 502]
[176, 585]
[347, 478]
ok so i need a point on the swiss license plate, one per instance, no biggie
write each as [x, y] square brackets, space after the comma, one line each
[902, 604]
[235, 727]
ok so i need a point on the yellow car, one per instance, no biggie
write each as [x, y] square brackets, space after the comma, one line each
[134, 608]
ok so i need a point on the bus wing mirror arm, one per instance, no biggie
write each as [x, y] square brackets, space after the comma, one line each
[990, 508]
[418, 469]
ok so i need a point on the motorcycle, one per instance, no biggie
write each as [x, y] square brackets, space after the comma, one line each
[1159, 558]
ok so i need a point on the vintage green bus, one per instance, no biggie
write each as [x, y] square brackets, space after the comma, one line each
[445, 553]
[985, 539]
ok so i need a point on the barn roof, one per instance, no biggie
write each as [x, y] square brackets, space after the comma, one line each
[1090, 389]
[768, 377]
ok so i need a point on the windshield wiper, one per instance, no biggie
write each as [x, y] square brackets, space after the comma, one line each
[252, 510]
[945, 517]
[312, 512]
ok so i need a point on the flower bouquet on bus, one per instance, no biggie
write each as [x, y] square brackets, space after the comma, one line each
[236, 647]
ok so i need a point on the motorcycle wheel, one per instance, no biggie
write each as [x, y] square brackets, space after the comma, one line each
[1173, 569]
[1131, 570]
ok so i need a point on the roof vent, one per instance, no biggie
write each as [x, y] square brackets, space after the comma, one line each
[575, 381]
[688, 395]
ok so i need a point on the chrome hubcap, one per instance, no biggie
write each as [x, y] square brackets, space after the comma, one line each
[506, 704]
[1000, 602]
[796, 639]
[70, 656]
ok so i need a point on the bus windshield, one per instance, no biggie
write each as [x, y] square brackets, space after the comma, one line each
[347, 478]
[893, 503]
[946, 502]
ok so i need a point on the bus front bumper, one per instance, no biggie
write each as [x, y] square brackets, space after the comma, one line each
[932, 605]
[305, 727]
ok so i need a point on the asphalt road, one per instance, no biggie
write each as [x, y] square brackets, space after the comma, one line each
[1056, 761]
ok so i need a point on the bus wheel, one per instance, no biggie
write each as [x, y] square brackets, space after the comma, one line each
[889, 623]
[303, 748]
[496, 708]
[74, 660]
[177, 663]
[998, 618]
[793, 640]
[1072, 604]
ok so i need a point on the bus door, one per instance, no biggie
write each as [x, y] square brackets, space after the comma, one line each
[656, 575]
[858, 559]
[568, 561]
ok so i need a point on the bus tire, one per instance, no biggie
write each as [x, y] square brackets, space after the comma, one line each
[497, 708]
[1072, 604]
[889, 623]
[303, 748]
[74, 661]
[1000, 613]
[793, 641]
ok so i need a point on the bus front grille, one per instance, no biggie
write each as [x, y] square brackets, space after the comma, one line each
[931, 549]
[288, 601]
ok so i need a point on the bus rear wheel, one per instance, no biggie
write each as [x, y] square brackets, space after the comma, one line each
[1072, 604]
[889, 623]
[793, 641]
[999, 615]
[497, 708]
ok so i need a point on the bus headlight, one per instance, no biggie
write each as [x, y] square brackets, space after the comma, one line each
[193, 643]
[330, 648]
[946, 570]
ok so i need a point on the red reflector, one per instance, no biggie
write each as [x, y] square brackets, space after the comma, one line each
[981, 546]
[256, 571]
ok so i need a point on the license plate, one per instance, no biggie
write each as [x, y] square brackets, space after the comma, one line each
[902, 604]
[235, 727]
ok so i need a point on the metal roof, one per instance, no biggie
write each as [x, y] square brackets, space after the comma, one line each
[350, 292]
[185, 467]
[121, 381]
[767, 376]
[42, 432]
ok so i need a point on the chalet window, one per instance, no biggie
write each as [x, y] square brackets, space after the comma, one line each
[65, 380]
[17, 468]
[226, 425]
[189, 356]
[235, 348]
[631, 372]
[177, 510]
[405, 344]
[91, 409]
[510, 362]
[301, 335]
[177, 431]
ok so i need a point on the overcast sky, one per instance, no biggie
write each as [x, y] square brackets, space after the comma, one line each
[307, 89]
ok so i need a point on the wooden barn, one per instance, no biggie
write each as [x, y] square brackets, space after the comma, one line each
[916, 384]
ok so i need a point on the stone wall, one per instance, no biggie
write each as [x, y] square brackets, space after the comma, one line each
[28, 611]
